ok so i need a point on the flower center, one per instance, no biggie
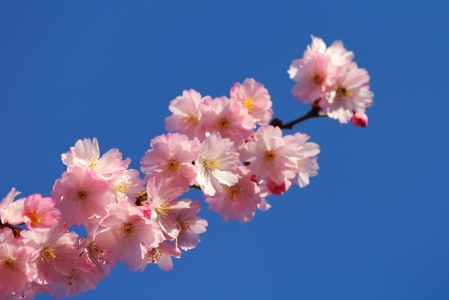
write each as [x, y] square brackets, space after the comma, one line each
[184, 225]
[190, 119]
[128, 229]
[48, 253]
[93, 164]
[270, 155]
[342, 91]
[162, 208]
[234, 192]
[211, 164]
[8, 263]
[172, 165]
[154, 255]
[223, 123]
[93, 249]
[316, 78]
[248, 102]
[69, 279]
[34, 217]
[82, 194]
[122, 187]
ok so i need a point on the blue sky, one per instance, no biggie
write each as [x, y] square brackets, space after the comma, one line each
[372, 225]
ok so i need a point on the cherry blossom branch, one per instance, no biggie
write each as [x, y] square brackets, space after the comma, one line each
[313, 113]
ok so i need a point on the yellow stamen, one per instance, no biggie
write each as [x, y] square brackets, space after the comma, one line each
[48, 253]
[190, 119]
[172, 165]
[248, 102]
[8, 263]
[122, 187]
[154, 255]
[162, 208]
[342, 91]
[34, 217]
[270, 155]
[93, 164]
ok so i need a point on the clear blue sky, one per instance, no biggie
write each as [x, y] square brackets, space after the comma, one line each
[374, 223]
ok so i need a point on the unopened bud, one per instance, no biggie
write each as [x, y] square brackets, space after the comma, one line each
[360, 119]
[277, 189]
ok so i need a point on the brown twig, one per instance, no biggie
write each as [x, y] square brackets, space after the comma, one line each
[313, 113]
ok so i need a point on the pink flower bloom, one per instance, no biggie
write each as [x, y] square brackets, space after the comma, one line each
[55, 252]
[270, 154]
[86, 154]
[171, 156]
[186, 111]
[80, 279]
[216, 164]
[191, 225]
[307, 161]
[128, 186]
[129, 231]
[161, 256]
[162, 194]
[337, 52]
[255, 97]
[10, 211]
[239, 201]
[228, 117]
[30, 290]
[81, 195]
[96, 247]
[15, 267]
[360, 119]
[39, 212]
[314, 74]
[350, 93]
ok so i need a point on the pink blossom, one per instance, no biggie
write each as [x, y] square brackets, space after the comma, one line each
[96, 247]
[86, 154]
[270, 154]
[337, 52]
[255, 98]
[55, 252]
[171, 156]
[350, 93]
[307, 161]
[40, 212]
[216, 164]
[314, 74]
[186, 111]
[15, 267]
[162, 194]
[129, 231]
[81, 195]
[228, 117]
[191, 225]
[79, 279]
[360, 119]
[128, 186]
[239, 201]
[161, 256]
[10, 210]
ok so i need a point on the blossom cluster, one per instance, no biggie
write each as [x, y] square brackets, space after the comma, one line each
[225, 146]
[329, 77]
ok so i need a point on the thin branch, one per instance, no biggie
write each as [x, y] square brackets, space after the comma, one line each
[313, 113]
